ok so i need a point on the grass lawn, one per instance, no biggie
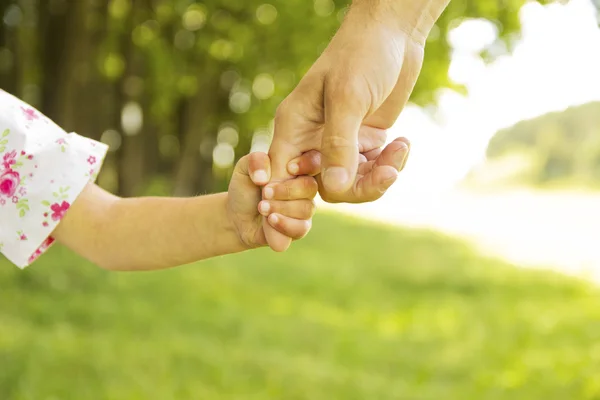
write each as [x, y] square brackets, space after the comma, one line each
[355, 311]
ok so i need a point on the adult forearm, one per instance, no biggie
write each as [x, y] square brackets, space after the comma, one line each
[415, 17]
[148, 233]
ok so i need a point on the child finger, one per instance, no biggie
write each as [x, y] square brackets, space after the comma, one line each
[259, 168]
[308, 163]
[298, 209]
[302, 187]
[290, 227]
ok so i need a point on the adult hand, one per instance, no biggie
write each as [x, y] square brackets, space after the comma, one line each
[361, 82]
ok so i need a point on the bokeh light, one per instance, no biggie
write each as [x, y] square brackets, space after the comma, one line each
[223, 155]
[111, 138]
[266, 14]
[194, 18]
[132, 118]
[263, 86]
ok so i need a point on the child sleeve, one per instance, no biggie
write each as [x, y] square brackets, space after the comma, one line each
[43, 170]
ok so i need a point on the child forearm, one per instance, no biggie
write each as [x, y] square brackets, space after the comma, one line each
[148, 233]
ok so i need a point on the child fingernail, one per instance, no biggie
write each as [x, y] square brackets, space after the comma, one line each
[260, 176]
[269, 193]
[293, 168]
[264, 207]
[273, 218]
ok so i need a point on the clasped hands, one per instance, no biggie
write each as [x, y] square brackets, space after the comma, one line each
[333, 126]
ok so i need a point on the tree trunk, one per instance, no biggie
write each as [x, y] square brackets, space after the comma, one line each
[186, 170]
[9, 79]
[93, 90]
[62, 38]
[131, 156]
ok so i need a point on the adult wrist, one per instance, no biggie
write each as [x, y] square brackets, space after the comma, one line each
[415, 18]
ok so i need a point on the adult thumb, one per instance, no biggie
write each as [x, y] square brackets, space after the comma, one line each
[339, 148]
[281, 153]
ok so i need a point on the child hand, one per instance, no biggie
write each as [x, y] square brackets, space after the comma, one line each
[288, 206]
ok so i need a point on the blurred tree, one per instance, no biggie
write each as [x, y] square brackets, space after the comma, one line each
[179, 88]
[596, 4]
[564, 146]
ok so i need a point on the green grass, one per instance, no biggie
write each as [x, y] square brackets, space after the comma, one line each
[355, 311]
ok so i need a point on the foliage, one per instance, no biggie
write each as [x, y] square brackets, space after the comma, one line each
[164, 82]
[374, 313]
[563, 147]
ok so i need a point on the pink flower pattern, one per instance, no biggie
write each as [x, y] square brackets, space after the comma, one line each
[9, 181]
[30, 114]
[59, 210]
[47, 243]
[9, 159]
[32, 202]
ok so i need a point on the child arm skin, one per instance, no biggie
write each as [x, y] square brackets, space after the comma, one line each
[155, 233]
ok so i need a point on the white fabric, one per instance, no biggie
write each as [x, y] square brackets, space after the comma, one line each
[43, 170]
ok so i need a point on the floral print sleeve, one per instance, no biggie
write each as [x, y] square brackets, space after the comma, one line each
[42, 171]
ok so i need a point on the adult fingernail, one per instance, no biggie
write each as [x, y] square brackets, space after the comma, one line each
[269, 193]
[293, 168]
[401, 155]
[260, 176]
[335, 179]
[264, 207]
[390, 180]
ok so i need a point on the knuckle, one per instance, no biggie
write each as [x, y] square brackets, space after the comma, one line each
[303, 189]
[343, 86]
[287, 191]
[336, 141]
[283, 191]
[309, 209]
[307, 185]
